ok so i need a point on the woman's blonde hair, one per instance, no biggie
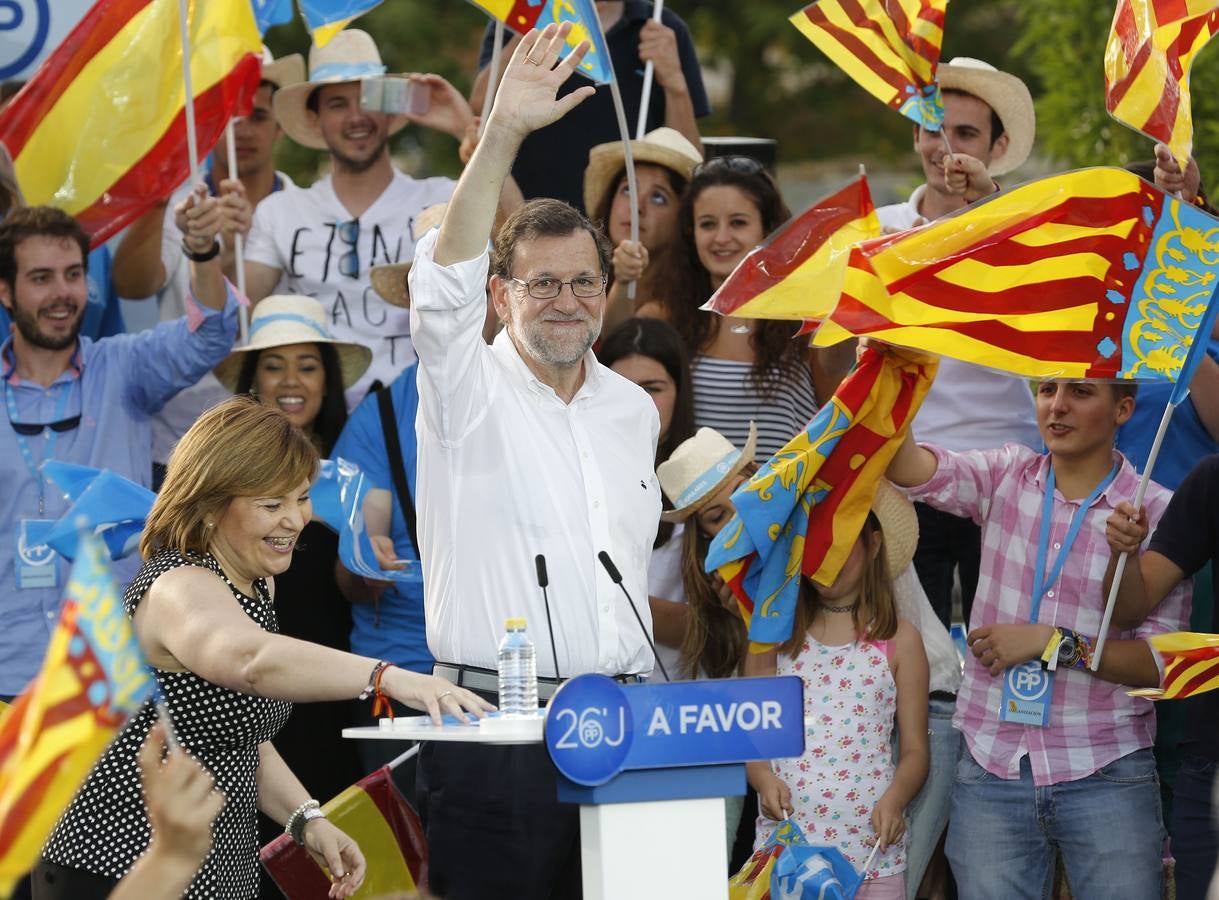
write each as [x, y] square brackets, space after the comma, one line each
[238, 448]
[875, 612]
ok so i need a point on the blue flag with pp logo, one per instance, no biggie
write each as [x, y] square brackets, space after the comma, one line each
[787, 867]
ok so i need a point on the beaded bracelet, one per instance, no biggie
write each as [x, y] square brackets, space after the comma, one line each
[290, 828]
[380, 701]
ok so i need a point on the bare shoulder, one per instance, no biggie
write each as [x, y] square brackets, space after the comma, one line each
[187, 586]
[908, 643]
[653, 309]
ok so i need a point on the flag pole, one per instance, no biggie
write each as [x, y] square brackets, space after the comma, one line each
[243, 311]
[192, 136]
[628, 158]
[1121, 560]
[497, 48]
[649, 72]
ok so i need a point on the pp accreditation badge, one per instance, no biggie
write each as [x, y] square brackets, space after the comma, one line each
[1027, 689]
[35, 563]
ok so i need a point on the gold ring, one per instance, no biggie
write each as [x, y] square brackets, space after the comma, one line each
[533, 62]
[443, 695]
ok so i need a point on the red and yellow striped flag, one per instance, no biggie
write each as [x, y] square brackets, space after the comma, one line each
[798, 272]
[100, 130]
[889, 47]
[1088, 274]
[92, 679]
[1151, 47]
[1191, 665]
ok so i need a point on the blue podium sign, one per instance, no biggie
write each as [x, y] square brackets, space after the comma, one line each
[597, 728]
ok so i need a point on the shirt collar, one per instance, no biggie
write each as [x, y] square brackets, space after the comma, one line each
[8, 363]
[505, 349]
[916, 198]
[1122, 487]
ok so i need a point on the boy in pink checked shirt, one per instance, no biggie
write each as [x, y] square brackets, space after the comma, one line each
[1057, 758]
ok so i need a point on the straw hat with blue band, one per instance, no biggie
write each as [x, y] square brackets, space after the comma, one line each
[699, 468]
[285, 319]
[351, 55]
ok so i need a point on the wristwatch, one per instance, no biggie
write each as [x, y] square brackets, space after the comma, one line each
[299, 823]
[1068, 650]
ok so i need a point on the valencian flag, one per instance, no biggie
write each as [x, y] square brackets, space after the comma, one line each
[798, 272]
[522, 15]
[1191, 665]
[326, 18]
[1151, 47]
[1088, 274]
[100, 130]
[889, 47]
[93, 678]
[800, 513]
[377, 817]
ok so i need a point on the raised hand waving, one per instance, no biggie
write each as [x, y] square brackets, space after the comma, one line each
[527, 97]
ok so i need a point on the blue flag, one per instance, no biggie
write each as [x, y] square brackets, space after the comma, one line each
[103, 503]
[1197, 350]
[271, 12]
[805, 872]
[326, 18]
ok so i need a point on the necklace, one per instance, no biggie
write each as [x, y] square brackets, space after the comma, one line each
[838, 609]
[741, 329]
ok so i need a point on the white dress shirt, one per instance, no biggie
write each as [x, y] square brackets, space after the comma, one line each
[507, 470]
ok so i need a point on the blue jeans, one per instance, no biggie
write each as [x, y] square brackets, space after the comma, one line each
[1193, 827]
[928, 811]
[1003, 833]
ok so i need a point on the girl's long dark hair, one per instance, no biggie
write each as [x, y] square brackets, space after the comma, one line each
[332, 416]
[659, 341]
[687, 286]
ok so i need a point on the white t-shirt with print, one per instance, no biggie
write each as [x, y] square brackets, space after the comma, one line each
[303, 233]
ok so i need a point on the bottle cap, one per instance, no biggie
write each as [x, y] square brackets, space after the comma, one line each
[518, 622]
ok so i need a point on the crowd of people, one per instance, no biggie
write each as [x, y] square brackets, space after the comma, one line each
[516, 377]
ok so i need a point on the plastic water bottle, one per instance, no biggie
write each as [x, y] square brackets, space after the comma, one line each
[518, 671]
[957, 632]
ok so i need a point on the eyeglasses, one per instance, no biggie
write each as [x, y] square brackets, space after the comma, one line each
[29, 429]
[349, 234]
[545, 288]
[741, 165]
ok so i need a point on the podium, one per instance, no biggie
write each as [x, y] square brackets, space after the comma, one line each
[649, 765]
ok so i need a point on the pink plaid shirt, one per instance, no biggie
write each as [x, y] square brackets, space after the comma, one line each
[1092, 722]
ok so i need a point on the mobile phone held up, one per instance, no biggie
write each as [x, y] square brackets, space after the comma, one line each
[395, 95]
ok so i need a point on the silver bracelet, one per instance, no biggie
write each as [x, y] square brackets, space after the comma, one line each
[292, 828]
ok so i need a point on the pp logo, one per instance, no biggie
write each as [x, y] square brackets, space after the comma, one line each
[589, 729]
[34, 554]
[24, 25]
[1027, 682]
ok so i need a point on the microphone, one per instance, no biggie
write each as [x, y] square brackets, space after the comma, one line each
[543, 581]
[616, 577]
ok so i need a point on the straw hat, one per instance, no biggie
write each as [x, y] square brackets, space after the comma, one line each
[699, 467]
[351, 55]
[389, 280]
[899, 523]
[663, 147]
[282, 72]
[1006, 94]
[285, 319]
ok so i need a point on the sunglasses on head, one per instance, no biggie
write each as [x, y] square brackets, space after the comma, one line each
[29, 429]
[741, 165]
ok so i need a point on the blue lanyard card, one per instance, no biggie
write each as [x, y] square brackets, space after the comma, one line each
[1027, 691]
[36, 561]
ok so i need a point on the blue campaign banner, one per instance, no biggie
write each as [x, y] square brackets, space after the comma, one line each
[597, 728]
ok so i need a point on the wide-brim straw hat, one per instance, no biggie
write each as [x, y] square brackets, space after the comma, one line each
[351, 55]
[283, 319]
[389, 280]
[282, 72]
[899, 523]
[699, 468]
[664, 146]
[1006, 94]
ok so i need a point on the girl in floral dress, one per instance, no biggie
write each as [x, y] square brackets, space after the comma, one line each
[864, 670]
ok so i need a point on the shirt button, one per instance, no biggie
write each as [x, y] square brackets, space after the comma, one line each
[1057, 546]
[605, 608]
[1049, 593]
[50, 615]
[596, 504]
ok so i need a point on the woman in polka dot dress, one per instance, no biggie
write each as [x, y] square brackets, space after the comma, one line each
[863, 668]
[235, 498]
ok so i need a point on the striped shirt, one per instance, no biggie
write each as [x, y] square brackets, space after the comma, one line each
[726, 399]
[1092, 722]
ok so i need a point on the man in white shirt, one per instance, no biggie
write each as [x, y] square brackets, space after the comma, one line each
[324, 240]
[528, 446]
[990, 123]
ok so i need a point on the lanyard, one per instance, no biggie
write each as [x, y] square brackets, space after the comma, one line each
[23, 445]
[1042, 583]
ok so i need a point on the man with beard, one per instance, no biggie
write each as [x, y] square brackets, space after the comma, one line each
[528, 446]
[76, 400]
[324, 241]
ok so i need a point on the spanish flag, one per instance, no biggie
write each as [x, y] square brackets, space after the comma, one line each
[799, 515]
[100, 130]
[889, 47]
[1191, 665]
[1151, 48]
[798, 272]
[1088, 274]
[93, 678]
[377, 817]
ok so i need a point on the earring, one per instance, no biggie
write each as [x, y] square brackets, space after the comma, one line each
[253, 392]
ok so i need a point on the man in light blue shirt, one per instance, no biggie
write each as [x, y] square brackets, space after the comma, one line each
[82, 401]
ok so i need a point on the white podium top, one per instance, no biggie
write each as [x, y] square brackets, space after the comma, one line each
[492, 729]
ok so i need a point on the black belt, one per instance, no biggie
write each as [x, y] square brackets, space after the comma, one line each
[486, 681]
[947, 696]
